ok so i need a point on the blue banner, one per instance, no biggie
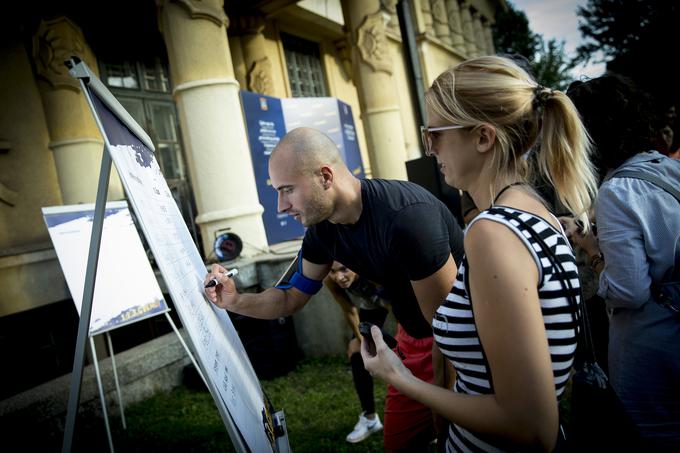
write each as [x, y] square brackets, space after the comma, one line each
[267, 121]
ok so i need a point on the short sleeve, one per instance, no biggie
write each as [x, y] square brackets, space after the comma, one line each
[313, 248]
[420, 239]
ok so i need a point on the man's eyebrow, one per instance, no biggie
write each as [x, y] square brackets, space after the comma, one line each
[284, 186]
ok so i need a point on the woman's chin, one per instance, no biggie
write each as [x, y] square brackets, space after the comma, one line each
[449, 179]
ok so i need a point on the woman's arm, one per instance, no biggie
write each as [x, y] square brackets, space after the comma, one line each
[503, 281]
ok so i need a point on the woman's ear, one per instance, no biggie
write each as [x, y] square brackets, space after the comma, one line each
[486, 138]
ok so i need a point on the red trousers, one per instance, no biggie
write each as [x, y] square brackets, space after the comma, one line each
[408, 423]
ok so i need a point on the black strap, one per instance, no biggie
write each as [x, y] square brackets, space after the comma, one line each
[583, 335]
[649, 178]
[498, 195]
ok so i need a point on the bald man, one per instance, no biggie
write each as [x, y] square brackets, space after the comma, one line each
[394, 233]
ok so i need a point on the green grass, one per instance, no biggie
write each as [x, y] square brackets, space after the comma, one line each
[318, 399]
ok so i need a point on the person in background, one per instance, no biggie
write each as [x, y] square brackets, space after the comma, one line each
[508, 324]
[468, 208]
[635, 251]
[394, 233]
[360, 301]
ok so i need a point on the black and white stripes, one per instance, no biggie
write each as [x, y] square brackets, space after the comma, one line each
[456, 333]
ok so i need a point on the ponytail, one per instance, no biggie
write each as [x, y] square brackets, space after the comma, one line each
[564, 156]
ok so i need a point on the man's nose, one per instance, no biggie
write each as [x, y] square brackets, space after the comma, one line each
[283, 205]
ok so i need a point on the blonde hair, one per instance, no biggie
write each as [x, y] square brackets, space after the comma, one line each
[495, 90]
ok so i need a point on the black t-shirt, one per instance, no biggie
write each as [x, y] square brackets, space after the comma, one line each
[404, 233]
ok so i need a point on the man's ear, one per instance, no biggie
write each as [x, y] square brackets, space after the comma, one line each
[326, 176]
[486, 138]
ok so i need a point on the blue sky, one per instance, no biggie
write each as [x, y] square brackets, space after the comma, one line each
[558, 19]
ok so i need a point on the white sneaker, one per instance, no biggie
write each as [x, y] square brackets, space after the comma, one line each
[364, 428]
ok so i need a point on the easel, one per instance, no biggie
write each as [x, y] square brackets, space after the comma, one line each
[92, 87]
[90, 278]
[102, 398]
[139, 273]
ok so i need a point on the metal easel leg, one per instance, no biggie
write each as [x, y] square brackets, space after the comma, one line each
[115, 378]
[186, 348]
[101, 394]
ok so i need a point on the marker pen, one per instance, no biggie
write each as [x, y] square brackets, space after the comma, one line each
[215, 282]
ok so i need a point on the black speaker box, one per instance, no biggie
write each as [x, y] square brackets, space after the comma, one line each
[424, 171]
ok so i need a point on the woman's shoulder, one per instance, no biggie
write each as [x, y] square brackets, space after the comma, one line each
[489, 230]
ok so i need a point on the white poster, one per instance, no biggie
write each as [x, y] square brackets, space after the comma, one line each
[126, 289]
[224, 362]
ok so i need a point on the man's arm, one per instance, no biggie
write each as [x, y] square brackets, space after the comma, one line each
[269, 304]
[431, 291]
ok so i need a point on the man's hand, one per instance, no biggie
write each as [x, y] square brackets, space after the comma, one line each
[224, 294]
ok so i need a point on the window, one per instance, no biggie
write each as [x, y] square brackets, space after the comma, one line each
[305, 70]
[143, 89]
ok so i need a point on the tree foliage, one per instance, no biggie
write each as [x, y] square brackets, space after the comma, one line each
[552, 67]
[512, 34]
[547, 61]
[636, 38]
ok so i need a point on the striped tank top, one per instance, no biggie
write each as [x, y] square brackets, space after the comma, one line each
[454, 323]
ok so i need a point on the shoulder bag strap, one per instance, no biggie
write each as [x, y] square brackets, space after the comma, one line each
[649, 178]
[584, 337]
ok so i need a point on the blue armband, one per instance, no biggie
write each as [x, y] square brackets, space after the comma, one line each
[304, 284]
[299, 281]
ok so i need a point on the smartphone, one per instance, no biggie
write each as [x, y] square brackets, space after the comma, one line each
[365, 330]
[288, 273]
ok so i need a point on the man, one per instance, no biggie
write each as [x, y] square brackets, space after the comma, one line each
[393, 233]
[360, 300]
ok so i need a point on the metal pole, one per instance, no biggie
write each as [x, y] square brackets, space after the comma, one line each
[186, 348]
[88, 294]
[115, 378]
[408, 36]
[101, 395]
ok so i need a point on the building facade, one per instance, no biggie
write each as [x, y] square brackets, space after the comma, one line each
[177, 66]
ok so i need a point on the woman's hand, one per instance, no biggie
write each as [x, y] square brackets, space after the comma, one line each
[224, 294]
[384, 364]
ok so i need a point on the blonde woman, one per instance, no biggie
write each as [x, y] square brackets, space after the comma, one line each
[508, 324]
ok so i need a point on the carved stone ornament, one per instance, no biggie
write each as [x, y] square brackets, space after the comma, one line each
[390, 7]
[244, 25]
[372, 43]
[260, 78]
[212, 10]
[56, 41]
[342, 46]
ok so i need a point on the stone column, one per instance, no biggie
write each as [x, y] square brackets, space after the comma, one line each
[488, 37]
[377, 88]
[427, 16]
[238, 60]
[74, 136]
[258, 66]
[480, 40]
[213, 130]
[456, 26]
[468, 32]
[441, 22]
